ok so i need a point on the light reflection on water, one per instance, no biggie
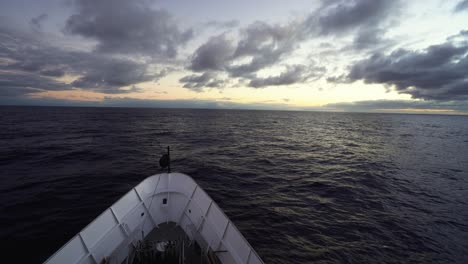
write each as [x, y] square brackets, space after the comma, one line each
[301, 186]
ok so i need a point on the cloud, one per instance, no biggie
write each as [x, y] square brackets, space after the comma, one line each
[399, 105]
[109, 75]
[194, 103]
[260, 46]
[28, 65]
[127, 27]
[366, 21]
[212, 55]
[36, 22]
[264, 45]
[438, 72]
[461, 6]
[18, 84]
[222, 24]
[388, 106]
[370, 38]
[198, 82]
[339, 16]
[53, 72]
[293, 74]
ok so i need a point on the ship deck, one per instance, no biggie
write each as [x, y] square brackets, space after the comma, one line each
[183, 250]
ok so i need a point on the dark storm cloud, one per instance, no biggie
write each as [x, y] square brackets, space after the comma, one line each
[439, 72]
[29, 63]
[129, 27]
[293, 74]
[461, 6]
[198, 82]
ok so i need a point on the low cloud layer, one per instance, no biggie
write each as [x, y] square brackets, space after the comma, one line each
[293, 74]
[198, 82]
[222, 103]
[401, 105]
[18, 84]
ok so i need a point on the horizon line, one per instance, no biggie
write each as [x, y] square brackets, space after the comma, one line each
[414, 112]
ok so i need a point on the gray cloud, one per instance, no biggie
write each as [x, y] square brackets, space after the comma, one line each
[213, 55]
[339, 16]
[263, 45]
[388, 105]
[17, 84]
[367, 21]
[222, 24]
[198, 82]
[370, 38]
[224, 103]
[128, 27]
[293, 74]
[29, 63]
[109, 75]
[437, 73]
[194, 103]
[36, 22]
[53, 72]
[133, 102]
[461, 6]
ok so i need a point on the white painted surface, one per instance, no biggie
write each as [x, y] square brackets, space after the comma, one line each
[141, 209]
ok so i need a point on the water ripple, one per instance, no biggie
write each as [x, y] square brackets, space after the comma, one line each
[302, 187]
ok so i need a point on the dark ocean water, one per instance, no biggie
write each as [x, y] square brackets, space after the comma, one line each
[303, 187]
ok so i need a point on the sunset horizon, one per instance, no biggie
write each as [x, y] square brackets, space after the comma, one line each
[365, 56]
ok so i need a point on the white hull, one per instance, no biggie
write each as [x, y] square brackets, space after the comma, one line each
[161, 198]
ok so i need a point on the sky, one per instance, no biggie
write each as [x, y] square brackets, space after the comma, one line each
[333, 55]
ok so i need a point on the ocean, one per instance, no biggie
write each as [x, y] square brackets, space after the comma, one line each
[302, 187]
